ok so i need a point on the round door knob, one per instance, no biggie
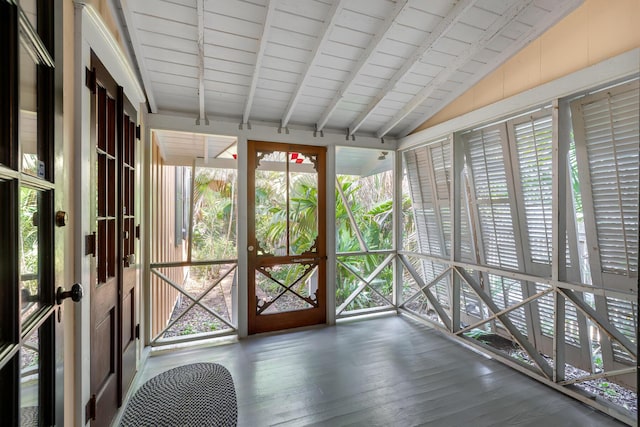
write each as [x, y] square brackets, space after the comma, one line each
[75, 293]
[250, 248]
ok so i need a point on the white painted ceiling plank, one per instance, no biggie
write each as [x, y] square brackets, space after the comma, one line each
[371, 69]
[146, 82]
[364, 58]
[443, 26]
[334, 12]
[490, 34]
[155, 24]
[161, 67]
[562, 10]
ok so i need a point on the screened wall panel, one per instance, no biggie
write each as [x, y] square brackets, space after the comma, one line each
[430, 237]
[512, 293]
[533, 140]
[485, 156]
[607, 132]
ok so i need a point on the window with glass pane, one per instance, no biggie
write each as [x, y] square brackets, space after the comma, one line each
[30, 8]
[28, 111]
[27, 103]
[364, 223]
[30, 251]
[30, 380]
[286, 203]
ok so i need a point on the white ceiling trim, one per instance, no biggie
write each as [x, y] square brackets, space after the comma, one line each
[271, 5]
[443, 27]
[489, 35]
[200, 11]
[371, 49]
[565, 8]
[263, 132]
[129, 19]
[333, 15]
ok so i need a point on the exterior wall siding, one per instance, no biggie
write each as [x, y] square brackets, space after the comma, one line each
[163, 248]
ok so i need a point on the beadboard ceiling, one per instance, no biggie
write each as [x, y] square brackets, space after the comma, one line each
[370, 67]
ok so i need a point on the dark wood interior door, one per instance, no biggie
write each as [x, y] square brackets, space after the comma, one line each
[104, 280]
[114, 271]
[286, 236]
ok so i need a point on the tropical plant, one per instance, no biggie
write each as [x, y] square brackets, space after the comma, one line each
[214, 218]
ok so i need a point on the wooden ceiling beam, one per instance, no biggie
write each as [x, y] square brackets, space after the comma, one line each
[271, 6]
[490, 34]
[364, 59]
[441, 29]
[564, 8]
[332, 17]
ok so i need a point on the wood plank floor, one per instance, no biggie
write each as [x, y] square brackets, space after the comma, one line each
[386, 371]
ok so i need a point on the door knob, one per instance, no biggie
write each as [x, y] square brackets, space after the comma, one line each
[75, 293]
[129, 260]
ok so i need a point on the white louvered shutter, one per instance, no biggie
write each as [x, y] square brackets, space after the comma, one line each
[624, 316]
[533, 140]
[485, 158]
[441, 165]
[428, 170]
[607, 125]
[428, 189]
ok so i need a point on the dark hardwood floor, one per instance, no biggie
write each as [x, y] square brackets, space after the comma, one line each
[386, 371]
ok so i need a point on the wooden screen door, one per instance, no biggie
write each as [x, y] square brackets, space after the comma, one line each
[114, 272]
[286, 236]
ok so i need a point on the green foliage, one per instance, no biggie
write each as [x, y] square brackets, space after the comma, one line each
[29, 237]
[214, 216]
[479, 335]
[188, 330]
[368, 198]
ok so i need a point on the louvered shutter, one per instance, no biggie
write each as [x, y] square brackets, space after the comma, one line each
[533, 140]
[489, 185]
[607, 130]
[441, 165]
[624, 316]
[420, 189]
[546, 314]
[428, 170]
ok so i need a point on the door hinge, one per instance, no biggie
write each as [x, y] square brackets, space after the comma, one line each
[137, 332]
[138, 231]
[138, 132]
[90, 79]
[90, 244]
[90, 409]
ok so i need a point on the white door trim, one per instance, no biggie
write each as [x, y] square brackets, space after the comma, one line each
[91, 34]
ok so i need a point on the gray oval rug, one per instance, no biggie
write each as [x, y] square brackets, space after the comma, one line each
[199, 394]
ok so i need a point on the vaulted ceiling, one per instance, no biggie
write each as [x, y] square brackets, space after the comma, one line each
[371, 67]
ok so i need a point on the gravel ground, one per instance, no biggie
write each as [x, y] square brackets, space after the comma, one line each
[197, 319]
[601, 387]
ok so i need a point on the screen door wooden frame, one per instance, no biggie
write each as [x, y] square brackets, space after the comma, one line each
[259, 261]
